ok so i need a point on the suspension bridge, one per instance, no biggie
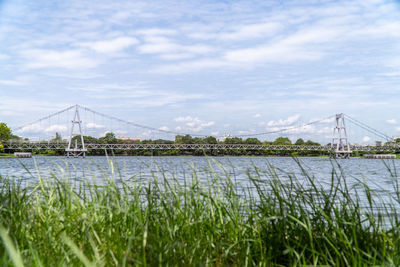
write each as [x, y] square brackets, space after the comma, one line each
[94, 121]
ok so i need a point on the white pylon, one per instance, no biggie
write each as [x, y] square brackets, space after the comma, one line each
[80, 150]
[340, 145]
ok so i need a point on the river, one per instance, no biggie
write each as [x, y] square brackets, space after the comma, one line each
[374, 172]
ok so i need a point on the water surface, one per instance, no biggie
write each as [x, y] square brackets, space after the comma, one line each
[374, 172]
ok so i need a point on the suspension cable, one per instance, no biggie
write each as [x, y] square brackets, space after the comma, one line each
[288, 128]
[368, 128]
[179, 133]
[139, 125]
[45, 118]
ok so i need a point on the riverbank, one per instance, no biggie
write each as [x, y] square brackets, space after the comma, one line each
[6, 155]
[279, 219]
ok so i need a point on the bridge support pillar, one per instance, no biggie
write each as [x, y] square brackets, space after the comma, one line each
[340, 147]
[78, 150]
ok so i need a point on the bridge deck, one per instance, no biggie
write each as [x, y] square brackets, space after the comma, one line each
[62, 146]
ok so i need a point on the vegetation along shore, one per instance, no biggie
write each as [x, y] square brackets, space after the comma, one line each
[279, 219]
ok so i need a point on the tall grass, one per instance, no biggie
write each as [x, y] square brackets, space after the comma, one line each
[280, 219]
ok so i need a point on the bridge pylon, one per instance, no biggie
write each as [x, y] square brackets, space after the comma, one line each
[78, 149]
[340, 147]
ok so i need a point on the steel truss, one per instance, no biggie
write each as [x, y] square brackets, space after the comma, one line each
[63, 146]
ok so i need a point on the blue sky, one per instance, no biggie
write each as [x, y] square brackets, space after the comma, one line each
[205, 67]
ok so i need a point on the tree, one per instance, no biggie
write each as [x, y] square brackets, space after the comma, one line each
[109, 138]
[198, 140]
[110, 135]
[90, 140]
[233, 140]
[16, 137]
[299, 142]
[162, 141]
[210, 140]
[5, 132]
[180, 139]
[311, 143]
[282, 141]
[58, 138]
[252, 141]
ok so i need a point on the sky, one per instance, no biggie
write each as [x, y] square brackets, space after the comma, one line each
[205, 67]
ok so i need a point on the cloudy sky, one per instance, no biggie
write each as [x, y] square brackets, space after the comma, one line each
[205, 67]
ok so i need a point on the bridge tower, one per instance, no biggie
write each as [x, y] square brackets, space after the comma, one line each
[78, 149]
[340, 147]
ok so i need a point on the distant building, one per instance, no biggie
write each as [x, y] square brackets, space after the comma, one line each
[378, 143]
[222, 139]
[128, 138]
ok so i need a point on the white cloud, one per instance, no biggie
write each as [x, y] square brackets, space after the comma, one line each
[156, 31]
[241, 32]
[146, 134]
[193, 124]
[69, 59]
[289, 37]
[258, 30]
[289, 127]
[2, 56]
[307, 129]
[92, 125]
[140, 94]
[168, 47]
[325, 130]
[246, 132]
[381, 29]
[258, 115]
[158, 48]
[391, 74]
[295, 47]
[391, 121]
[272, 53]
[38, 128]
[327, 120]
[11, 82]
[304, 45]
[164, 128]
[111, 46]
[33, 128]
[366, 139]
[117, 89]
[194, 65]
[289, 121]
[56, 128]
[119, 132]
[176, 56]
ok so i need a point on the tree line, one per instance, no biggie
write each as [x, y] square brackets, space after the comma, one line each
[110, 138]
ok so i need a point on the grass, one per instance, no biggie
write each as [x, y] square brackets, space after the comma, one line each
[6, 155]
[280, 220]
